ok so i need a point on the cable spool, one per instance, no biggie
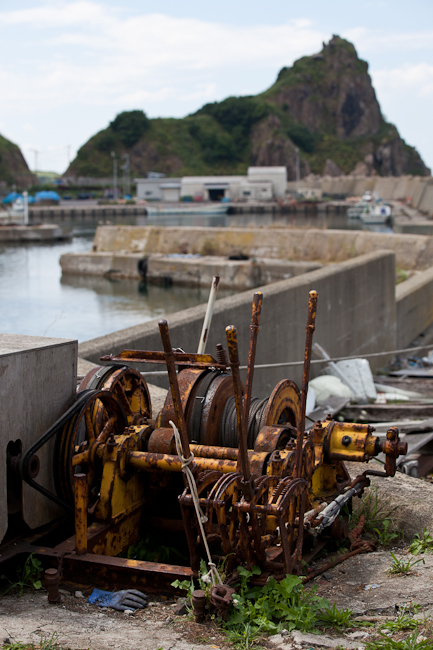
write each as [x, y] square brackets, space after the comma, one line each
[282, 407]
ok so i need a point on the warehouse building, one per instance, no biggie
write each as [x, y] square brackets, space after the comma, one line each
[260, 184]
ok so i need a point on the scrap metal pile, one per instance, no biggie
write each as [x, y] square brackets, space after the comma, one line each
[266, 487]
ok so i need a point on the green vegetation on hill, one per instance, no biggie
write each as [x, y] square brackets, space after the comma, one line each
[324, 105]
[13, 167]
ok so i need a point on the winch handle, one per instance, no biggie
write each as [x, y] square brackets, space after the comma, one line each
[311, 320]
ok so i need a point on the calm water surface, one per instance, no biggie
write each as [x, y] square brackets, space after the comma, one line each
[36, 300]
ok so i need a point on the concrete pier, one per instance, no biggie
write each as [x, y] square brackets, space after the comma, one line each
[356, 315]
[45, 232]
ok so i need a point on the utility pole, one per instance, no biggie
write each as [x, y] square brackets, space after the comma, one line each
[68, 153]
[36, 152]
[126, 175]
[298, 169]
[113, 155]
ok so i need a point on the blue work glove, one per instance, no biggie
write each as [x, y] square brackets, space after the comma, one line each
[120, 600]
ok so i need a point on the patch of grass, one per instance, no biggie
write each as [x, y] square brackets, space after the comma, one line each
[402, 622]
[408, 642]
[378, 517]
[334, 617]
[152, 549]
[266, 609]
[401, 275]
[403, 566]
[28, 577]
[422, 544]
[387, 533]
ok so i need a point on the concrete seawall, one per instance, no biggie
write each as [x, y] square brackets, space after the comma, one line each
[185, 271]
[324, 246]
[356, 315]
[419, 189]
[414, 304]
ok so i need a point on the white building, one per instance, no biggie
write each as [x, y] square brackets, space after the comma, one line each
[260, 184]
[158, 188]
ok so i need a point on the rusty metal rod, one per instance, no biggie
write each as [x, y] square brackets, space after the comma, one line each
[174, 385]
[334, 563]
[148, 460]
[80, 509]
[232, 344]
[254, 327]
[311, 319]
[208, 316]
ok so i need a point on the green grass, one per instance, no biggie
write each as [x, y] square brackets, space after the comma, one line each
[401, 566]
[422, 544]
[28, 577]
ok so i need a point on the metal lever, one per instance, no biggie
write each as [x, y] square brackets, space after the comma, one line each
[174, 385]
[243, 463]
[254, 327]
[311, 320]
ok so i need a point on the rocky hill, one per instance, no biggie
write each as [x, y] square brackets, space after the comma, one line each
[324, 105]
[13, 167]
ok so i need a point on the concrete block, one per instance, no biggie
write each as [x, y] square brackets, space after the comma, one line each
[38, 378]
[414, 307]
[356, 315]
[123, 266]
[426, 203]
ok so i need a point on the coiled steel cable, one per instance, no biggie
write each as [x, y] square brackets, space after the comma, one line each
[228, 435]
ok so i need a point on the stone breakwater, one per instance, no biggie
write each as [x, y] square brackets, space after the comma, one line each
[413, 252]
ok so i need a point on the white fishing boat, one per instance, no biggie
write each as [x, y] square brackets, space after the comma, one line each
[14, 214]
[187, 209]
[370, 210]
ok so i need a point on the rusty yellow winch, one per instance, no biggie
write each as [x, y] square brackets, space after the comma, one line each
[266, 487]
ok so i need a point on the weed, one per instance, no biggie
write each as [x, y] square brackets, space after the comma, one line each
[422, 544]
[407, 643]
[333, 617]
[377, 512]
[403, 566]
[152, 549]
[28, 577]
[403, 622]
[386, 534]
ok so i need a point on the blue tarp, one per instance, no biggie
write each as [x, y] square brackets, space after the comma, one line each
[13, 196]
[46, 195]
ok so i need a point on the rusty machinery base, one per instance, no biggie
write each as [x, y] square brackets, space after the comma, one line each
[265, 488]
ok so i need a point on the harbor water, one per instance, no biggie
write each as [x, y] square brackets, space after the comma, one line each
[36, 299]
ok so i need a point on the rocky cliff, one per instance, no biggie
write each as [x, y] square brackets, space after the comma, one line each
[13, 167]
[324, 105]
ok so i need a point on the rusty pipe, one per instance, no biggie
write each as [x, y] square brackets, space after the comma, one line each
[80, 510]
[311, 319]
[254, 328]
[243, 464]
[150, 461]
[174, 385]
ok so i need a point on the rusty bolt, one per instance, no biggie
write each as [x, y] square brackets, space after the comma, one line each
[199, 605]
[52, 582]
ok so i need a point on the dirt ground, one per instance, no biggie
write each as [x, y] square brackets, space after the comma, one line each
[361, 584]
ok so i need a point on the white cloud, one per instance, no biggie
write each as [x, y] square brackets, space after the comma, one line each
[417, 79]
[79, 62]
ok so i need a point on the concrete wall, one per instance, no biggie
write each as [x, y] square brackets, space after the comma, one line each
[356, 315]
[414, 304]
[418, 188]
[324, 246]
[186, 271]
[49, 367]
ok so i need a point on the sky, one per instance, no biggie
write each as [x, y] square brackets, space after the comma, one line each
[69, 66]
